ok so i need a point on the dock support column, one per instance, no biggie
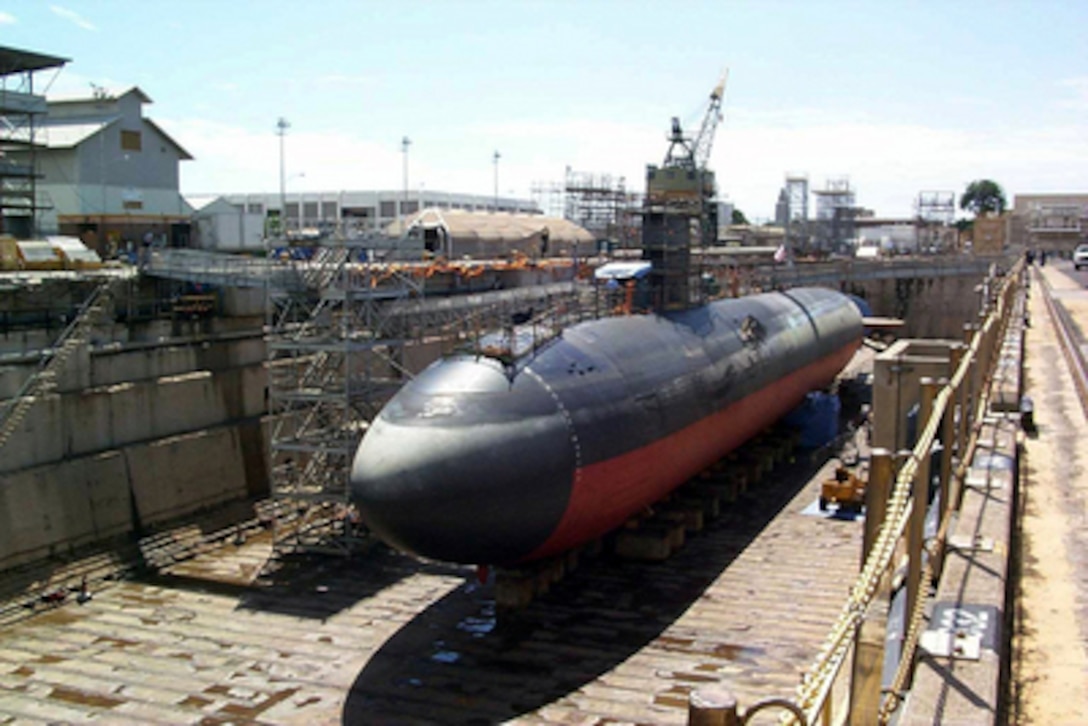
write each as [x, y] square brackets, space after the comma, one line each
[916, 527]
[712, 707]
[968, 393]
[865, 681]
[947, 431]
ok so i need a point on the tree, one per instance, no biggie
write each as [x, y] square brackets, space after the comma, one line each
[981, 196]
[738, 217]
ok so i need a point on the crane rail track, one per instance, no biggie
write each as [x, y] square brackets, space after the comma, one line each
[1063, 323]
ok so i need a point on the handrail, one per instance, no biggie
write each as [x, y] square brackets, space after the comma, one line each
[816, 686]
[51, 362]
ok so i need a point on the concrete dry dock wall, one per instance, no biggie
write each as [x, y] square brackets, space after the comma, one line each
[134, 435]
[182, 474]
[930, 307]
[131, 362]
[101, 419]
[52, 508]
[67, 504]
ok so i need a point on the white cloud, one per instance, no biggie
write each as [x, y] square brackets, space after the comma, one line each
[887, 163]
[7, 19]
[73, 17]
[69, 84]
[232, 159]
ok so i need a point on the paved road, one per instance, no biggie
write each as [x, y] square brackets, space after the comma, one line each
[1051, 640]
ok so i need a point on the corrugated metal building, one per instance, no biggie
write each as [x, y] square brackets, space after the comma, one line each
[110, 175]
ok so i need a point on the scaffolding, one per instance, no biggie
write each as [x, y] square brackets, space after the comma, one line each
[339, 331]
[836, 210]
[548, 198]
[934, 212]
[331, 366]
[796, 212]
[20, 111]
[601, 204]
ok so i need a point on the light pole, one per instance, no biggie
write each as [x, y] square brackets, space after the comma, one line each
[281, 128]
[404, 144]
[495, 159]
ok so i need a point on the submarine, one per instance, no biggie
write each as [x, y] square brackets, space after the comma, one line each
[492, 460]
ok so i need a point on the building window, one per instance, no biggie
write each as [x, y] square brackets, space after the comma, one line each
[131, 141]
[291, 210]
[133, 204]
[409, 207]
[388, 210]
[255, 208]
[328, 210]
[309, 211]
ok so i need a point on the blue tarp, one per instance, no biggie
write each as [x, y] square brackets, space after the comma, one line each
[817, 418]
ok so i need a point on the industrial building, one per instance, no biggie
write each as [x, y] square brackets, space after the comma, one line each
[239, 222]
[107, 174]
[1054, 222]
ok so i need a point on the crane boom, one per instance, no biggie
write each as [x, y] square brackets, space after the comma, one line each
[700, 152]
[694, 153]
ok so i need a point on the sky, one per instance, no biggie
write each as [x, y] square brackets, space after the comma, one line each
[899, 97]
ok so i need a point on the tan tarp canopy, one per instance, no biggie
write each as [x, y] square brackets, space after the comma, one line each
[491, 233]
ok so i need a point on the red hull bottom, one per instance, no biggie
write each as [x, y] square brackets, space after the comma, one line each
[606, 494]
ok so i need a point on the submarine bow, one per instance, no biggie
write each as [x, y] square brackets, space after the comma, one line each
[467, 463]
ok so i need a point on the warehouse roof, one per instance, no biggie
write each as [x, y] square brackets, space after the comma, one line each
[67, 135]
[13, 60]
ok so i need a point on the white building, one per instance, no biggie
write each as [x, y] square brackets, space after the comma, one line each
[109, 174]
[224, 227]
[364, 211]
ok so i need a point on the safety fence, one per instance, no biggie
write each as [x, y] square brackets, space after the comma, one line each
[838, 688]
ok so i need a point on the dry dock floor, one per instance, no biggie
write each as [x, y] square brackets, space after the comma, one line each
[384, 638]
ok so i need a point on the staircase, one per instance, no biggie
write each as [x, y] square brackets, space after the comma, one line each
[44, 379]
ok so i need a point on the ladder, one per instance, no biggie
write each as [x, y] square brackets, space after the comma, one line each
[44, 380]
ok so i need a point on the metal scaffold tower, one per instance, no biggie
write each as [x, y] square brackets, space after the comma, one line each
[548, 198]
[934, 213]
[602, 205]
[836, 212]
[21, 111]
[331, 366]
[796, 213]
[678, 213]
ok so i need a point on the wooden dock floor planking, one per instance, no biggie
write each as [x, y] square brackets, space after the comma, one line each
[383, 638]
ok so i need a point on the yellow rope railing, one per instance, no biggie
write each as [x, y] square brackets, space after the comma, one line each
[817, 683]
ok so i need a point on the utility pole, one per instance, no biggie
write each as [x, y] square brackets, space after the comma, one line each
[281, 128]
[495, 159]
[404, 144]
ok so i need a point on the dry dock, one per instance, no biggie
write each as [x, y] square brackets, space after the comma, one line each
[230, 635]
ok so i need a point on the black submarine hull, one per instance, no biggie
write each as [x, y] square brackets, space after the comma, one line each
[478, 462]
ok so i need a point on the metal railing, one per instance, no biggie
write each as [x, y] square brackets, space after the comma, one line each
[903, 523]
[53, 361]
